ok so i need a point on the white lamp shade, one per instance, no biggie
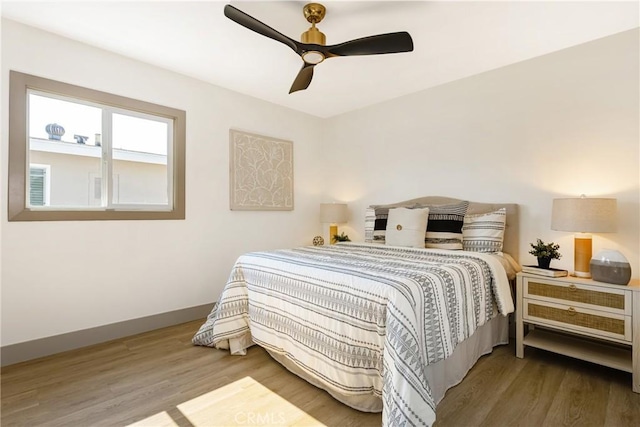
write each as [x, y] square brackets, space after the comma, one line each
[584, 215]
[333, 213]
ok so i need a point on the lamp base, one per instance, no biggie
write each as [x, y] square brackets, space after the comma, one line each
[582, 255]
[333, 231]
[580, 274]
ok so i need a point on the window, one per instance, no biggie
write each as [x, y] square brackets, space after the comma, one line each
[80, 154]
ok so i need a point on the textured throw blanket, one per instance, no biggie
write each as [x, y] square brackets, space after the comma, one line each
[361, 319]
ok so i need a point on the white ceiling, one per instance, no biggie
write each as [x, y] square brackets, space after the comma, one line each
[452, 40]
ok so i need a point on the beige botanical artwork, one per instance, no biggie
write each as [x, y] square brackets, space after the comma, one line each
[261, 172]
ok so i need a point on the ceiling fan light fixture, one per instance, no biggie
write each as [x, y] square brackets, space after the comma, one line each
[312, 57]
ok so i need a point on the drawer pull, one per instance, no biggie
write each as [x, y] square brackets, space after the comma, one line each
[572, 311]
[573, 287]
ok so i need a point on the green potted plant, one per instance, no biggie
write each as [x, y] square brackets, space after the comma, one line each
[341, 237]
[545, 252]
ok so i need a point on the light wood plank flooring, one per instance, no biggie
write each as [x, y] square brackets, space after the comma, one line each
[160, 379]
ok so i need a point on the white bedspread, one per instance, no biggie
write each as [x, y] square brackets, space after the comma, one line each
[360, 318]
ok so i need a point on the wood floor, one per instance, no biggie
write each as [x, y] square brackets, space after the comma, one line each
[160, 379]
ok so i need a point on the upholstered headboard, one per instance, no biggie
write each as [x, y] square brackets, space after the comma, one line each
[511, 243]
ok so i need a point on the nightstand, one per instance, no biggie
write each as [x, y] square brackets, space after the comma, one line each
[581, 318]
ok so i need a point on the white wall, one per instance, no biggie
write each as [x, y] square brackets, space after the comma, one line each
[558, 125]
[60, 277]
[555, 126]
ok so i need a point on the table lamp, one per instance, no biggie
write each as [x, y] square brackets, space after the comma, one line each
[333, 213]
[583, 215]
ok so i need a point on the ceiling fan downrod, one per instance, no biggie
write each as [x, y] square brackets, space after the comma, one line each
[314, 13]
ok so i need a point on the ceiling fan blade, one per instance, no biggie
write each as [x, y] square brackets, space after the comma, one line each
[303, 79]
[253, 24]
[373, 45]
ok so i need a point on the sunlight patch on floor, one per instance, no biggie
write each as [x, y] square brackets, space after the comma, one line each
[244, 402]
[161, 419]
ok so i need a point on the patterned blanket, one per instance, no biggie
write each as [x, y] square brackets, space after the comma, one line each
[360, 318]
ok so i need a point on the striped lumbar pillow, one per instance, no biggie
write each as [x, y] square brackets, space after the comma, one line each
[484, 232]
[444, 229]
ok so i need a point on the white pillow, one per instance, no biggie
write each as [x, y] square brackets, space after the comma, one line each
[484, 232]
[407, 227]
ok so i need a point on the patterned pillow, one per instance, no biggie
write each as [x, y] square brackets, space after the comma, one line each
[406, 227]
[444, 229]
[375, 224]
[484, 232]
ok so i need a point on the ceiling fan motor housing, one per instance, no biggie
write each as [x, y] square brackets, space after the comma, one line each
[314, 13]
[313, 36]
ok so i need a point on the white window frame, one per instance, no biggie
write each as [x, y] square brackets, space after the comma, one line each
[22, 85]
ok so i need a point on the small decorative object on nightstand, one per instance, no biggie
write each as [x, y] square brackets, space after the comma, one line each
[610, 266]
[341, 237]
[318, 241]
[549, 272]
[580, 318]
[545, 252]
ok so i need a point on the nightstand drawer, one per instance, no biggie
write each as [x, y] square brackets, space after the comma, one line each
[582, 320]
[579, 295]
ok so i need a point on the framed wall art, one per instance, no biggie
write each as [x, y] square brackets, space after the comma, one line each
[261, 172]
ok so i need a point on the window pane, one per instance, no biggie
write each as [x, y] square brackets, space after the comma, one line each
[140, 173]
[63, 135]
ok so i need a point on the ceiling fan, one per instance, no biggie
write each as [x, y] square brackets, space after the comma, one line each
[312, 49]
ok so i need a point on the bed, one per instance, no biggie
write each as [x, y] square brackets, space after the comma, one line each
[380, 326]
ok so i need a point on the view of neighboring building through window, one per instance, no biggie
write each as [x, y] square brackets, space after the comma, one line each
[83, 142]
[76, 153]
[39, 185]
